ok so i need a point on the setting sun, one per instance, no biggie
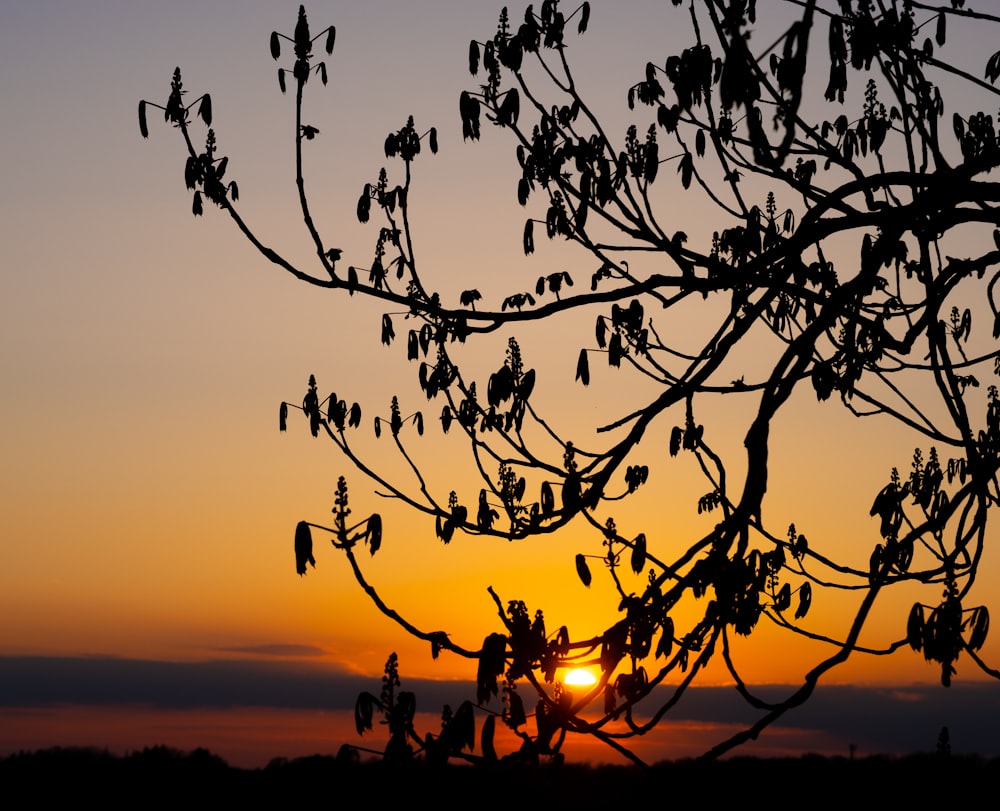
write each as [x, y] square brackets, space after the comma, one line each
[580, 677]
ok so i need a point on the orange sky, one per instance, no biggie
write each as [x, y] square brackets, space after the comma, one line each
[149, 501]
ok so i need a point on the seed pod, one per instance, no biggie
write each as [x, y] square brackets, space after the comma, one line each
[473, 57]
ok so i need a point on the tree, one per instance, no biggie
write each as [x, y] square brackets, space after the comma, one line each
[848, 248]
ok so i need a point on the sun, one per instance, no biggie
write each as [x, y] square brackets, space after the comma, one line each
[579, 677]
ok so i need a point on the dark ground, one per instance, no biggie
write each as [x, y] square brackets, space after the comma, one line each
[159, 777]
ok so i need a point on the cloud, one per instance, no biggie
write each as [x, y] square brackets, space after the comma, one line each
[38, 681]
[878, 719]
[276, 650]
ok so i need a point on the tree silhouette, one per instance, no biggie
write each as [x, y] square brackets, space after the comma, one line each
[849, 247]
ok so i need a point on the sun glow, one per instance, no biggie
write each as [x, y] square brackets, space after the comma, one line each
[579, 677]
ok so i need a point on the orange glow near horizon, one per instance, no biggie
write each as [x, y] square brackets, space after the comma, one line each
[251, 738]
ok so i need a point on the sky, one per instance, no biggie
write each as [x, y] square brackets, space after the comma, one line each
[149, 501]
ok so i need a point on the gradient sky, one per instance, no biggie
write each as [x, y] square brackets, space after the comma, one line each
[149, 501]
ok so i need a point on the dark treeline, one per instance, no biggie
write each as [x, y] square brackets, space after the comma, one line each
[160, 777]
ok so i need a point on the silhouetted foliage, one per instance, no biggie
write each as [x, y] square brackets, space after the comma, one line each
[851, 246]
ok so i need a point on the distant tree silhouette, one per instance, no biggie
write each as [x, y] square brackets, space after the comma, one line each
[851, 245]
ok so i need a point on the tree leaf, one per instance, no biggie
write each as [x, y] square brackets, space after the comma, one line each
[993, 68]
[364, 711]
[676, 439]
[486, 738]
[915, 627]
[275, 45]
[526, 385]
[468, 107]
[615, 351]
[651, 162]
[500, 386]
[980, 627]
[547, 501]
[686, 169]
[666, 643]
[205, 110]
[601, 332]
[373, 533]
[303, 548]
[331, 39]
[639, 553]
[582, 570]
[365, 204]
[509, 109]
[583, 368]
[805, 600]
[492, 662]
[143, 128]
